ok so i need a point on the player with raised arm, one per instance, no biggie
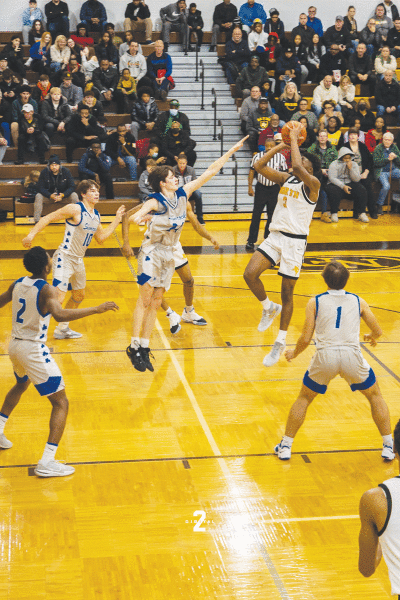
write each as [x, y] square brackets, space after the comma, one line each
[82, 223]
[169, 206]
[286, 243]
[33, 303]
[182, 267]
[380, 526]
[335, 316]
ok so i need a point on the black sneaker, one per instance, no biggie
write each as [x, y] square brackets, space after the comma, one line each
[250, 246]
[135, 356]
[379, 210]
[146, 353]
[212, 49]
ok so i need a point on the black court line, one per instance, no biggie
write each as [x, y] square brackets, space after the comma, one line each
[305, 458]
[368, 351]
[190, 458]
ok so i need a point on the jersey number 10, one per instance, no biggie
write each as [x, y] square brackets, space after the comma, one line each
[87, 239]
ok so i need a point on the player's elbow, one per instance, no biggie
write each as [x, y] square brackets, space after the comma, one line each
[366, 570]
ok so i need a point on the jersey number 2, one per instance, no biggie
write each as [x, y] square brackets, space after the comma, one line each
[338, 315]
[21, 311]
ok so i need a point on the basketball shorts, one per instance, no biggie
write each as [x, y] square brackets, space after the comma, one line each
[156, 267]
[347, 362]
[68, 272]
[33, 361]
[286, 251]
[179, 256]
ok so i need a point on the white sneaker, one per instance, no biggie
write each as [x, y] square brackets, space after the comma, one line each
[28, 62]
[268, 316]
[283, 452]
[363, 218]
[387, 452]
[272, 357]
[66, 334]
[174, 322]
[53, 468]
[193, 318]
[334, 218]
[4, 442]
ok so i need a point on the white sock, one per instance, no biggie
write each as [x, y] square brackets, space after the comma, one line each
[62, 326]
[189, 308]
[49, 453]
[287, 441]
[281, 337]
[387, 439]
[144, 343]
[3, 421]
[135, 342]
[169, 311]
[266, 304]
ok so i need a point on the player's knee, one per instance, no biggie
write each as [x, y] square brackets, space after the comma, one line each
[59, 400]
[249, 275]
[22, 386]
[78, 296]
[189, 282]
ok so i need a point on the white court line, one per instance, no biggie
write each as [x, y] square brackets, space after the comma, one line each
[300, 519]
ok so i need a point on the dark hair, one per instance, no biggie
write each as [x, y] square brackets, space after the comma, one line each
[396, 435]
[83, 107]
[304, 117]
[85, 185]
[109, 25]
[35, 260]
[7, 74]
[325, 102]
[193, 5]
[353, 129]
[153, 145]
[144, 90]
[335, 275]
[337, 126]
[182, 155]
[314, 160]
[157, 175]
[15, 37]
[128, 31]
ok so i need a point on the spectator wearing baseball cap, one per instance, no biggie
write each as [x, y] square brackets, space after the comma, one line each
[338, 34]
[164, 121]
[55, 184]
[31, 137]
[24, 97]
[71, 92]
[249, 11]
[275, 25]
[257, 37]
[288, 68]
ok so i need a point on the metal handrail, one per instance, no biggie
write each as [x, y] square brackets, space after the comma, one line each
[235, 173]
[202, 77]
[197, 57]
[214, 105]
[221, 137]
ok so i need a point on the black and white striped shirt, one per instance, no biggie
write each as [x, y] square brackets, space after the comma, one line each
[277, 162]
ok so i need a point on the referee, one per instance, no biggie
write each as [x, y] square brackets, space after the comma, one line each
[265, 194]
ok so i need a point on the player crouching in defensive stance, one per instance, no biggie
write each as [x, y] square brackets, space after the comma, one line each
[156, 265]
[33, 303]
[287, 240]
[335, 315]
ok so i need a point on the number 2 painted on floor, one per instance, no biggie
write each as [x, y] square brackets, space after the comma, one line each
[338, 316]
[200, 521]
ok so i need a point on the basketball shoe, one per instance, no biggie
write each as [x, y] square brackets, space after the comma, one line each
[174, 322]
[268, 316]
[136, 358]
[272, 357]
[4, 442]
[66, 334]
[146, 353]
[387, 452]
[192, 317]
[283, 452]
[53, 468]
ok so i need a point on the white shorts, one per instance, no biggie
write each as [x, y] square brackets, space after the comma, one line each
[68, 272]
[157, 267]
[33, 361]
[347, 362]
[179, 256]
[286, 251]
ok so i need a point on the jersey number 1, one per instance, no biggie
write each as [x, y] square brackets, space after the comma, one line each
[21, 311]
[338, 315]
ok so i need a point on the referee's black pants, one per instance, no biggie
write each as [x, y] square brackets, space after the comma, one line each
[264, 196]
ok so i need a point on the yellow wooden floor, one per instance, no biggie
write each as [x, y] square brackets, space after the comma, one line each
[152, 450]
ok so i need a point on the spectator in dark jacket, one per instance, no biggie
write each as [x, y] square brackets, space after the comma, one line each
[93, 15]
[106, 50]
[9, 85]
[31, 135]
[78, 76]
[144, 112]
[82, 131]
[96, 165]
[288, 69]
[337, 34]
[365, 115]
[360, 67]
[105, 79]
[95, 106]
[258, 120]
[5, 118]
[121, 148]
[371, 37]
[3, 142]
[55, 184]
[24, 97]
[223, 17]
[165, 119]
[250, 76]
[137, 18]
[237, 55]
[333, 63]
[275, 25]
[177, 141]
[393, 38]
[72, 93]
[57, 12]
[387, 96]
[55, 112]
[159, 69]
[14, 53]
[195, 23]
[303, 30]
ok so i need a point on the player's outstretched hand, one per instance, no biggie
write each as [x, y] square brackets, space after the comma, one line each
[27, 241]
[289, 355]
[127, 251]
[120, 212]
[295, 129]
[107, 306]
[371, 340]
[239, 145]
[215, 243]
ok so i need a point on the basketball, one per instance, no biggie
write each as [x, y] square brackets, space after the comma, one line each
[286, 133]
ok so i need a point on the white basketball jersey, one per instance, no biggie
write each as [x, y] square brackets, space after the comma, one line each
[294, 210]
[337, 319]
[78, 237]
[28, 323]
[166, 225]
[389, 536]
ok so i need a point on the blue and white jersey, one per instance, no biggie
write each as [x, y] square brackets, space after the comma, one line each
[28, 323]
[337, 319]
[78, 237]
[166, 225]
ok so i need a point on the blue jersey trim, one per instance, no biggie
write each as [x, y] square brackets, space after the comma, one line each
[358, 300]
[39, 284]
[82, 209]
[50, 386]
[318, 388]
[19, 280]
[56, 283]
[317, 302]
[143, 278]
[369, 382]
[21, 379]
